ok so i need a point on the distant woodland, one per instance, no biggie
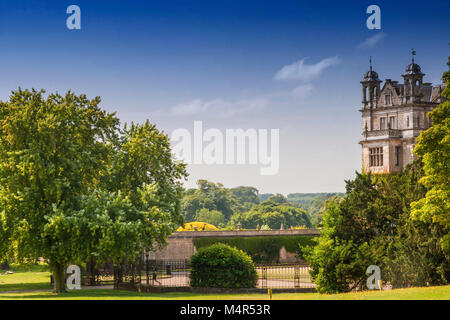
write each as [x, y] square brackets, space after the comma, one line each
[227, 207]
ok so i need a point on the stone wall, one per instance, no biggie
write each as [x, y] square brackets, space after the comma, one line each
[181, 244]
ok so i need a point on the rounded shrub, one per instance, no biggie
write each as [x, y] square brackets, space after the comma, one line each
[200, 226]
[222, 266]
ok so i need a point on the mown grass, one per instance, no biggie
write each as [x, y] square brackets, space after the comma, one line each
[23, 280]
[25, 277]
[429, 293]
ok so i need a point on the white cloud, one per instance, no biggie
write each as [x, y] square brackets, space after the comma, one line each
[218, 107]
[304, 72]
[372, 41]
[302, 91]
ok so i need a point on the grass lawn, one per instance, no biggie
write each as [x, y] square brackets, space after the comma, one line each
[429, 293]
[36, 278]
[28, 277]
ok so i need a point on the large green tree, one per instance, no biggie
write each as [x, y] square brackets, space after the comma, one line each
[213, 217]
[142, 156]
[350, 226]
[52, 149]
[372, 225]
[246, 198]
[143, 174]
[433, 147]
[109, 227]
[73, 188]
[211, 196]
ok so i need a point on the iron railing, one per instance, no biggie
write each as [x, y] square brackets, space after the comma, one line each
[176, 273]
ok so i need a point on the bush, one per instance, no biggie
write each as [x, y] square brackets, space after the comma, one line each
[201, 226]
[222, 266]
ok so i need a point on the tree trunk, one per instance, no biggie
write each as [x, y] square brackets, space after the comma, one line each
[4, 265]
[91, 270]
[59, 277]
[118, 275]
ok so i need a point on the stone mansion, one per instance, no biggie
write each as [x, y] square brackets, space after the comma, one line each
[393, 116]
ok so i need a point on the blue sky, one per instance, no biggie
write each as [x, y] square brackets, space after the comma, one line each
[217, 61]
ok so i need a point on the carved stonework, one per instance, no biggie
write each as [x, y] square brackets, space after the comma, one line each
[393, 116]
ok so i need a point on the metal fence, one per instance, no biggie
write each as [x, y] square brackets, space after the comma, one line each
[284, 276]
[176, 273]
[107, 274]
[96, 275]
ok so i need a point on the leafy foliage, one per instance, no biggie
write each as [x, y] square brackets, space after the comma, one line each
[51, 151]
[372, 225]
[313, 203]
[272, 214]
[213, 217]
[200, 226]
[343, 252]
[235, 204]
[74, 188]
[433, 146]
[245, 197]
[210, 196]
[221, 266]
[142, 156]
[261, 249]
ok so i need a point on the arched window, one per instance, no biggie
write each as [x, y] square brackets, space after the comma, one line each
[388, 98]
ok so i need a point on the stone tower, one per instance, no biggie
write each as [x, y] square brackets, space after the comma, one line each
[393, 117]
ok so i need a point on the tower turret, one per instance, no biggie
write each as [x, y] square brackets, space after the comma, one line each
[393, 118]
[371, 88]
[413, 81]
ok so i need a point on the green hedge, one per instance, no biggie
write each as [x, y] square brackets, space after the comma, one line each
[261, 249]
[221, 266]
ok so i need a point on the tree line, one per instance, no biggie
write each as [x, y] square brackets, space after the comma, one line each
[227, 207]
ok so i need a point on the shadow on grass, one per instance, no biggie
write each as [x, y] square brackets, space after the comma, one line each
[105, 294]
[24, 286]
